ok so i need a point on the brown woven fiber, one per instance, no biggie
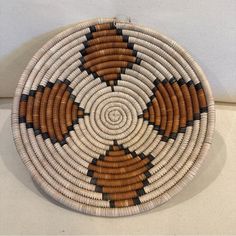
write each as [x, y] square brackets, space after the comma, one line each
[112, 119]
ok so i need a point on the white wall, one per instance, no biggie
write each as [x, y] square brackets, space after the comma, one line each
[206, 28]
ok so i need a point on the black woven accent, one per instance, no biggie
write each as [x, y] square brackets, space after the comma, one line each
[161, 132]
[172, 80]
[89, 36]
[182, 129]
[67, 82]
[93, 181]
[32, 93]
[134, 154]
[45, 135]
[22, 119]
[53, 140]
[173, 135]
[29, 125]
[136, 201]
[85, 43]
[164, 138]
[49, 84]
[131, 46]
[156, 82]
[145, 182]
[198, 86]
[94, 161]
[72, 97]
[125, 38]
[203, 109]
[69, 89]
[105, 196]
[164, 81]
[189, 83]
[40, 88]
[63, 142]
[150, 157]
[37, 132]
[112, 204]
[142, 156]
[196, 116]
[90, 173]
[149, 165]
[92, 28]
[119, 31]
[181, 82]
[189, 123]
[147, 174]
[140, 192]
[156, 127]
[122, 71]
[101, 157]
[98, 189]
[130, 65]
[138, 61]
[24, 98]
[82, 60]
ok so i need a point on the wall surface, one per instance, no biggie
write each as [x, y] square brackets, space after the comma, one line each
[206, 28]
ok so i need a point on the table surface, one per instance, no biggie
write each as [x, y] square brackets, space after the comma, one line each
[206, 206]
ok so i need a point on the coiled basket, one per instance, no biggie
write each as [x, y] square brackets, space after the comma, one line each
[112, 119]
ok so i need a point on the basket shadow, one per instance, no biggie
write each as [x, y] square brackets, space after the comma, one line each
[11, 158]
[208, 173]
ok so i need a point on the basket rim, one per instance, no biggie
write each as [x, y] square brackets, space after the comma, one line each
[114, 212]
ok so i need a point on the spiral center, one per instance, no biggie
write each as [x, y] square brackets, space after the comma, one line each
[114, 115]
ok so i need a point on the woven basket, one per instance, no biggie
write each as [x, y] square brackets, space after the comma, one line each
[112, 119]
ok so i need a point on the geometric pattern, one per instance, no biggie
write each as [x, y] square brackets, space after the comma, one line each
[111, 118]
